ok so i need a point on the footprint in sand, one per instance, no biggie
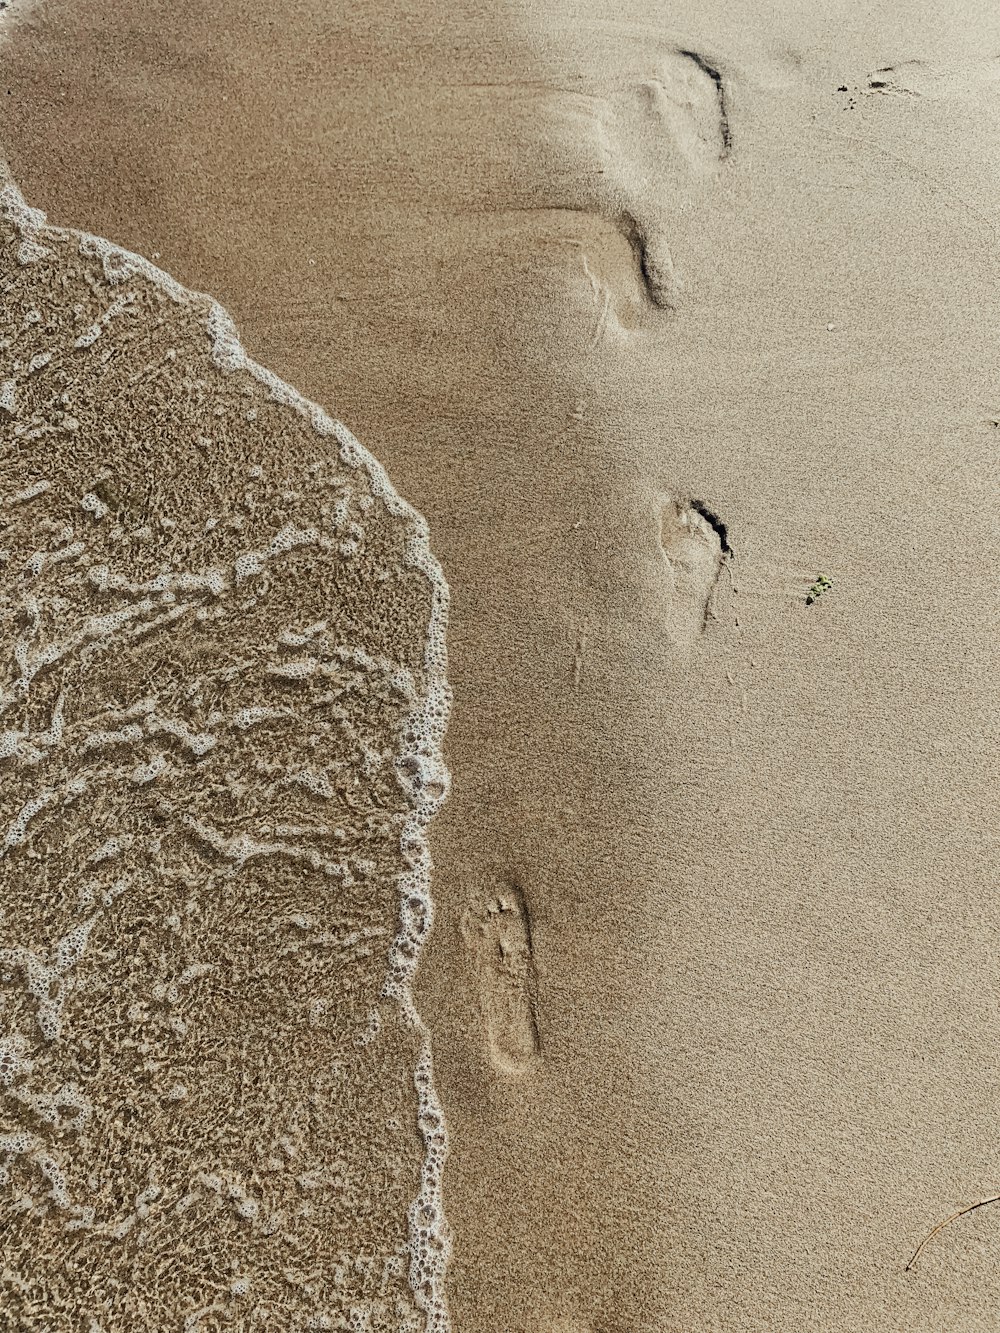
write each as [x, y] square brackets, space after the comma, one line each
[678, 113]
[923, 78]
[695, 547]
[629, 142]
[498, 936]
[686, 103]
[658, 135]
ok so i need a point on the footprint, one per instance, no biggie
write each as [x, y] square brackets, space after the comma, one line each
[653, 261]
[633, 147]
[699, 91]
[922, 78]
[695, 547]
[680, 111]
[498, 936]
[656, 134]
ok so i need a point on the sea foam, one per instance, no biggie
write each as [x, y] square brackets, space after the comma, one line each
[176, 598]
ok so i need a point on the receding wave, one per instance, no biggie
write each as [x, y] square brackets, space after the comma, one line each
[222, 704]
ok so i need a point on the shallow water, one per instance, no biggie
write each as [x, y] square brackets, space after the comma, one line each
[222, 701]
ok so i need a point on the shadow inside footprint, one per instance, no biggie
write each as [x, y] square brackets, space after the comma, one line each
[498, 936]
[695, 547]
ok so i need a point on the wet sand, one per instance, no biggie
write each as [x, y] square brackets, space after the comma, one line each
[223, 697]
[655, 318]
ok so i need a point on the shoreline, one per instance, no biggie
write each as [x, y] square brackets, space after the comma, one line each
[420, 765]
[714, 921]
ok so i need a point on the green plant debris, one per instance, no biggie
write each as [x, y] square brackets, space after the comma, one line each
[822, 585]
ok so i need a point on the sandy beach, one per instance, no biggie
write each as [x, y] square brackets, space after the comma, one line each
[655, 315]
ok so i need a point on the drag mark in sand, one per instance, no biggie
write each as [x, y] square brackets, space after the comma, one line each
[498, 935]
[222, 705]
[580, 652]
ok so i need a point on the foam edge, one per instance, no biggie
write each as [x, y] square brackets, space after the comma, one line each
[421, 763]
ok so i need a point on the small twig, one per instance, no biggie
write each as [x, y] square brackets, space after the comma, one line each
[971, 1208]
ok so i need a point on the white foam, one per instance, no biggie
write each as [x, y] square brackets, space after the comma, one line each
[90, 504]
[429, 1234]
[17, 831]
[144, 773]
[29, 492]
[252, 717]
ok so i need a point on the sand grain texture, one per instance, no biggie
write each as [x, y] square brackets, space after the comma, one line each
[573, 271]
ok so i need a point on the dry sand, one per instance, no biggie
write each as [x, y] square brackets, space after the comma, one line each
[655, 314]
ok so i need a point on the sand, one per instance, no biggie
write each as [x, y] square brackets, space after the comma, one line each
[655, 315]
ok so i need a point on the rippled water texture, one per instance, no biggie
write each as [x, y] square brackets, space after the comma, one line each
[222, 700]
